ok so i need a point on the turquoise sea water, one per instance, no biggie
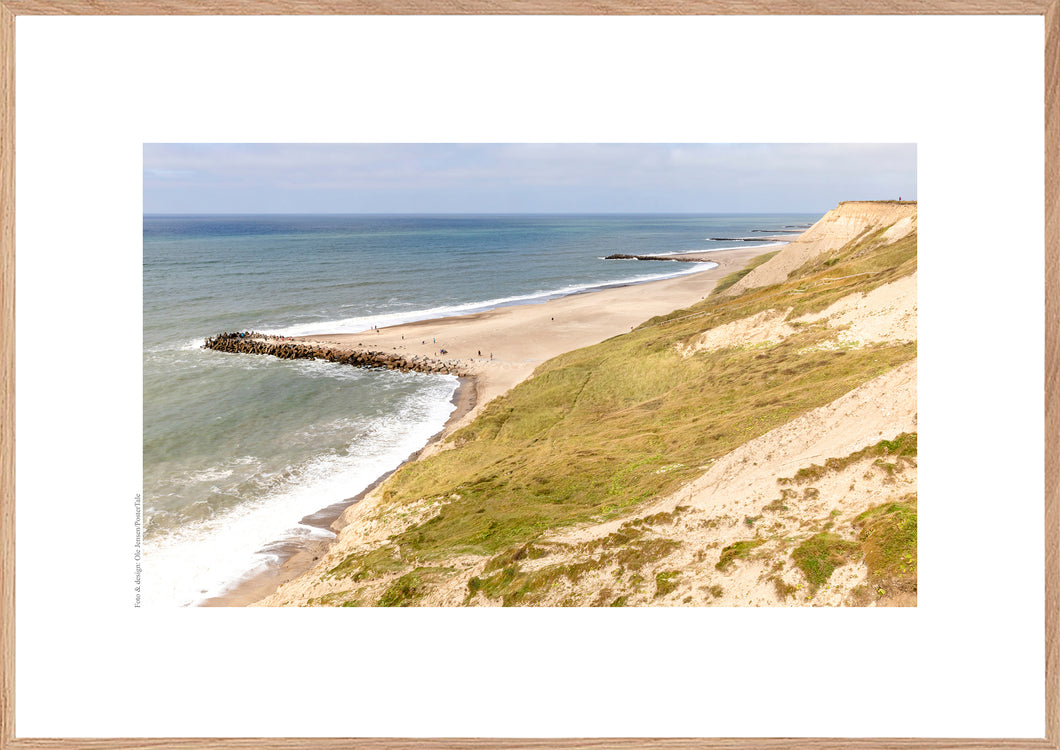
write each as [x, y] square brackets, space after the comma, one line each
[238, 448]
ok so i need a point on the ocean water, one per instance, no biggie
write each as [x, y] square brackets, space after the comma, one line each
[239, 448]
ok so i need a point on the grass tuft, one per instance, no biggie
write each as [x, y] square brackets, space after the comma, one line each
[409, 589]
[737, 551]
[665, 582]
[820, 555]
[902, 449]
[889, 541]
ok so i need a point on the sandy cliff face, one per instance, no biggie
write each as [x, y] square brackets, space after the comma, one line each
[847, 222]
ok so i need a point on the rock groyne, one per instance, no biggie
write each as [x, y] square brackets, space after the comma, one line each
[250, 342]
[678, 258]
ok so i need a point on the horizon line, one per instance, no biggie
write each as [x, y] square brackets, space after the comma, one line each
[479, 213]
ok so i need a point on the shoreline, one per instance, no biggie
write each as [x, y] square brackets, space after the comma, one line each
[296, 556]
[499, 348]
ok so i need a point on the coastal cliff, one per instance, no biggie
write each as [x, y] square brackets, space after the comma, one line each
[849, 222]
[757, 448]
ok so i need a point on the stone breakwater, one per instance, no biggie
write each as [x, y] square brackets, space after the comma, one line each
[250, 342]
[678, 258]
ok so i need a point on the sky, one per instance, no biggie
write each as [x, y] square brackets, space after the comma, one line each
[521, 178]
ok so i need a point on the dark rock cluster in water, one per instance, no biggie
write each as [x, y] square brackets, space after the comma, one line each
[678, 258]
[250, 342]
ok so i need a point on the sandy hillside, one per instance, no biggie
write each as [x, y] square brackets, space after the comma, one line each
[849, 221]
[810, 513]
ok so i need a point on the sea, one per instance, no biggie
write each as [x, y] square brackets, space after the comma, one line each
[239, 448]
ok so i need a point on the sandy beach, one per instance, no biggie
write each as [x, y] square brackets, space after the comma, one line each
[498, 349]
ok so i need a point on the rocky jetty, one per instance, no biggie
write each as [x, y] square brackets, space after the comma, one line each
[678, 258]
[250, 342]
[741, 239]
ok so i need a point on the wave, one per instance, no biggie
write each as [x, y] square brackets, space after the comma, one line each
[205, 558]
[365, 322]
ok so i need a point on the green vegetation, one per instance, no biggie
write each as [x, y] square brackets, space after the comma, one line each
[656, 519]
[732, 278]
[335, 599]
[783, 589]
[902, 448]
[515, 586]
[585, 437]
[737, 551]
[820, 555]
[365, 565]
[640, 553]
[781, 503]
[889, 542]
[665, 583]
[624, 550]
[410, 588]
[859, 266]
[598, 431]
[886, 542]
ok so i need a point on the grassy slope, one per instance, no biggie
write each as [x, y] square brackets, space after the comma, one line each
[600, 430]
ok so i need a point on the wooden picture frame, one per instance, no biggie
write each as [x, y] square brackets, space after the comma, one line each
[1049, 9]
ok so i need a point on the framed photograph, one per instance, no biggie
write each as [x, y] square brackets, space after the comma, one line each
[450, 377]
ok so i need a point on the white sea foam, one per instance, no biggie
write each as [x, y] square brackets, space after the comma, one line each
[365, 322]
[176, 346]
[203, 559]
[208, 475]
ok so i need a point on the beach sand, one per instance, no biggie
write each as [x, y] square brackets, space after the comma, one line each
[502, 347]
[498, 349]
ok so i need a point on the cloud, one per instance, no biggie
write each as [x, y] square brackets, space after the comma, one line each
[583, 177]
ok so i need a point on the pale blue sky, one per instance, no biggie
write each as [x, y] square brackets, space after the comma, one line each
[522, 178]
